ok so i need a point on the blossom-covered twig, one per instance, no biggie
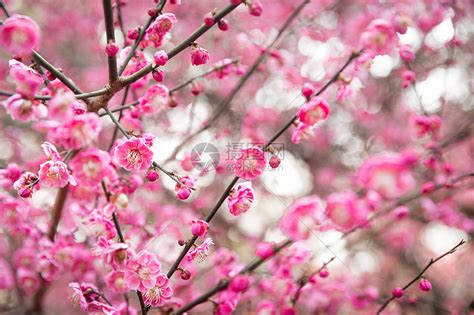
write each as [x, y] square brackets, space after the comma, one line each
[248, 74]
[430, 263]
[223, 284]
[224, 195]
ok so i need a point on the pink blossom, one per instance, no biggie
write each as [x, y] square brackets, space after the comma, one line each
[408, 77]
[55, 174]
[155, 99]
[199, 56]
[255, 8]
[9, 175]
[26, 184]
[19, 34]
[345, 210]
[133, 154]
[250, 163]
[264, 250]
[379, 37]
[116, 281]
[406, 53]
[427, 125]
[111, 49]
[142, 271]
[240, 198]
[101, 225]
[112, 253]
[302, 217]
[158, 29]
[302, 132]
[28, 280]
[425, 285]
[239, 283]
[315, 110]
[387, 174]
[91, 166]
[199, 228]
[307, 90]
[23, 109]
[27, 80]
[201, 251]
[80, 131]
[160, 58]
[159, 293]
[184, 191]
[60, 106]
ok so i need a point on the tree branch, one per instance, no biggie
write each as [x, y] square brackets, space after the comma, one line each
[430, 263]
[110, 32]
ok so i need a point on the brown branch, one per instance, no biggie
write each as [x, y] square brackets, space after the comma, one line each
[110, 33]
[305, 279]
[430, 263]
[223, 284]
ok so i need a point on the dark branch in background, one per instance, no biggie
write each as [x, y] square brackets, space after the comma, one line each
[223, 284]
[230, 97]
[305, 279]
[159, 10]
[182, 46]
[110, 32]
[430, 263]
[221, 200]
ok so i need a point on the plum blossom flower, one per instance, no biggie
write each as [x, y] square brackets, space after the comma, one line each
[26, 184]
[250, 163]
[54, 173]
[28, 280]
[116, 281]
[91, 166]
[155, 99]
[19, 34]
[315, 110]
[113, 253]
[199, 228]
[142, 271]
[406, 53]
[160, 58]
[133, 154]
[240, 198]
[159, 293]
[24, 110]
[80, 131]
[184, 191]
[427, 124]
[87, 297]
[379, 37]
[60, 105]
[387, 174]
[302, 132]
[27, 80]
[345, 210]
[302, 217]
[101, 225]
[158, 29]
[199, 56]
[201, 251]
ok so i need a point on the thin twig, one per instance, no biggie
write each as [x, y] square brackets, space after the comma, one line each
[430, 263]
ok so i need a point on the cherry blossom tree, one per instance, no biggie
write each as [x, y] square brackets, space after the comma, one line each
[236, 157]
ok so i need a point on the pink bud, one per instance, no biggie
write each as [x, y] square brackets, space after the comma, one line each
[209, 19]
[185, 274]
[307, 90]
[274, 161]
[239, 283]
[428, 187]
[152, 176]
[133, 33]
[111, 49]
[160, 58]
[425, 285]
[158, 75]
[401, 212]
[199, 227]
[264, 250]
[25, 192]
[199, 56]
[223, 25]
[255, 9]
[13, 172]
[152, 12]
[406, 53]
[235, 2]
[181, 242]
[324, 273]
[397, 292]
[175, 2]
[183, 193]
